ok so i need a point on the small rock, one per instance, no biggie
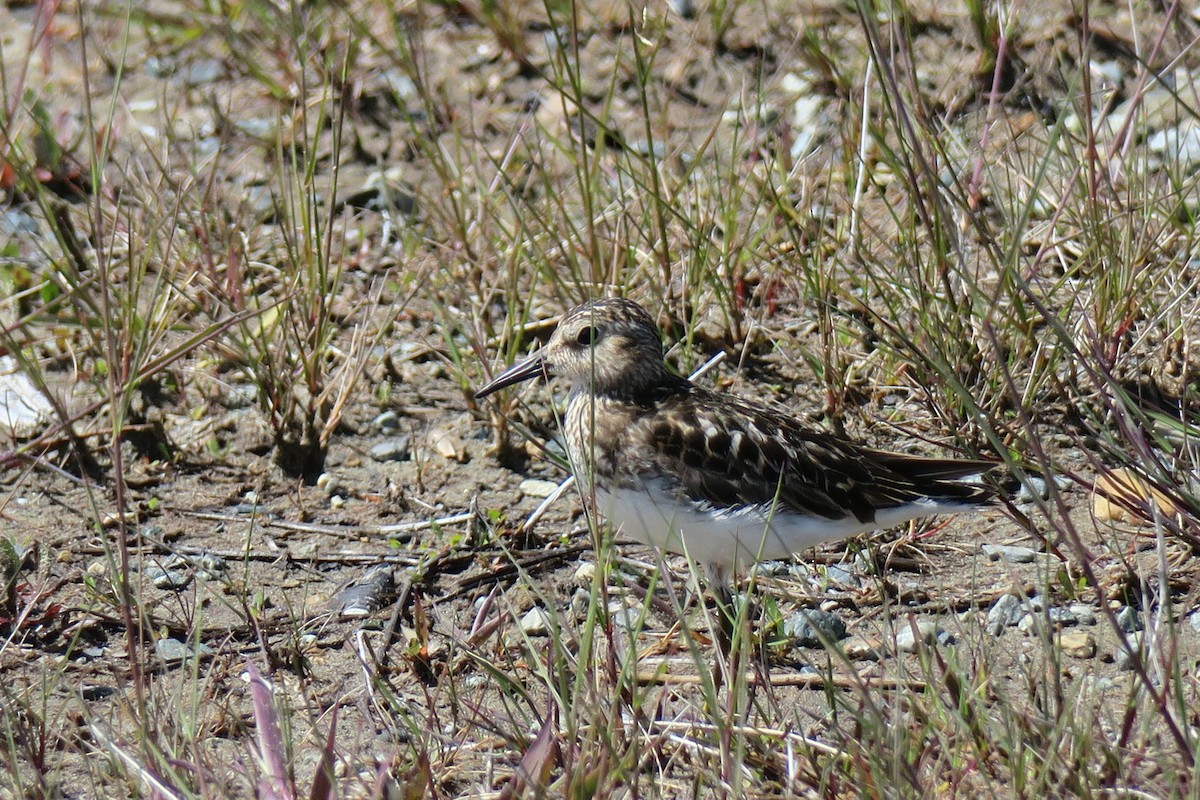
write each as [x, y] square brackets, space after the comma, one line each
[159, 67]
[1129, 619]
[375, 588]
[1009, 553]
[1028, 623]
[173, 651]
[203, 72]
[581, 600]
[628, 619]
[909, 642]
[91, 692]
[445, 441]
[1037, 488]
[383, 191]
[1006, 611]
[265, 129]
[809, 627]
[170, 650]
[395, 449]
[23, 409]
[536, 622]
[328, 484]
[1078, 644]
[15, 222]
[387, 422]
[845, 577]
[209, 567]
[262, 203]
[401, 85]
[1180, 144]
[1063, 617]
[1123, 658]
[684, 8]
[585, 573]
[771, 569]
[239, 396]
[656, 149]
[533, 487]
[168, 579]
[858, 648]
[1083, 613]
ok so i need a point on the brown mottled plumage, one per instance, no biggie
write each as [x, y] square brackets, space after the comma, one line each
[724, 480]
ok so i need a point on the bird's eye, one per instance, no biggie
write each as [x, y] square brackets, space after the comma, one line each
[587, 336]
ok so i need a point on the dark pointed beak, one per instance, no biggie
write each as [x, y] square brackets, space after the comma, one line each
[531, 367]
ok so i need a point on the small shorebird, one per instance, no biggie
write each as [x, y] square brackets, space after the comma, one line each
[725, 481]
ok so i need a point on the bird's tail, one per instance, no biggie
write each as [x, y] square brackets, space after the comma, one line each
[958, 480]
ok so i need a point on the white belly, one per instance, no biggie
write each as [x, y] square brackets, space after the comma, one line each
[731, 541]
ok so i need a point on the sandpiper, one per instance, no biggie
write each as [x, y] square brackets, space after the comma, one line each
[723, 480]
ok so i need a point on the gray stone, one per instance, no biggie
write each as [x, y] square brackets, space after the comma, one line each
[263, 128]
[1083, 613]
[1124, 659]
[173, 651]
[536, 622]
[159, 67]
[1062, 616]
[627, 619]
[585, 574]
[1009, 553]
[400, 84]
[387, 422]
[1180, 144]
[534, 487]
[23, 409]
[1005, 612]
[209, 567]
[809, 626]
[240, 396]
[771, 569]
[394, 449]
[845, 577]
[644, 148]
[15, 222]
[581, 600]
[1036, 487]
[204, 71]
[168, 579]
[684, 8]
[908, 642]
[383, 191]
[370, 593]
[1129, 619]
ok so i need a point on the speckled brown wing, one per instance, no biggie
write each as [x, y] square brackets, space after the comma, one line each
[726, 453]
